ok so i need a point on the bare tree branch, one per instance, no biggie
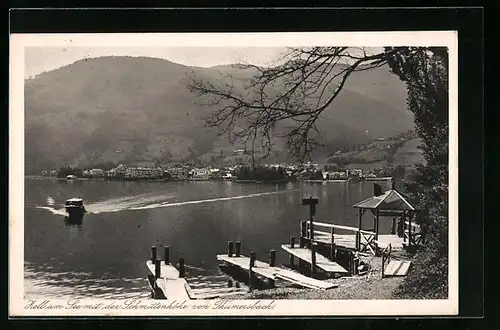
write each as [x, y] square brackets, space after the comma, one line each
[286, 99]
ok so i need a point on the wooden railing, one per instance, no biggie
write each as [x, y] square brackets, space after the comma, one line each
[386, 257]
[365, 240]
[412, 233]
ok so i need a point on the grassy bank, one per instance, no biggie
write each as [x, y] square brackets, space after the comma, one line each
[349, 288]
[370, 286]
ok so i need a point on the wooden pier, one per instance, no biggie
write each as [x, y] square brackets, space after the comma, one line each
[260, 268]
[321, 262]
[167, 282]
[304, 281]
[270, 271]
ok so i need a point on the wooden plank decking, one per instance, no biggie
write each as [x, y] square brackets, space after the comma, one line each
[270, 272]
[169, 282]
[349, 240]
[321, 262]
[260, 268]
[397, 268]
[304, 281]
[168, 271]
[173, 288]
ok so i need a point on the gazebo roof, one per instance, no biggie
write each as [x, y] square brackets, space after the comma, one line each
[389, 200]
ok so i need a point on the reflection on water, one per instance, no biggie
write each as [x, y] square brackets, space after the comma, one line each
[43, 281]
[104, 253]
[74, 220]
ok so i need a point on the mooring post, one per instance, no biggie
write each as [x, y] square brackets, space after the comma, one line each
[272, 258]
[230, 283]
[250, 266]
[292, 245]
[153, 254]
[182, 268]
[238, 248]
[230, 248]
[333, 253]
[332, 244]
[292, 242]
[167, 255]
[157, 268]
[253, 257]
[272, 263]
[303, 229]
[313, 257]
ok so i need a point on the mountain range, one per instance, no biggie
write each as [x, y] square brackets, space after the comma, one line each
[137, 109]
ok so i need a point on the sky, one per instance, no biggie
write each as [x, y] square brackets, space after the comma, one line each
[41, 59]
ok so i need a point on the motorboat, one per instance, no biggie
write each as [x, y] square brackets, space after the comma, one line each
[74, 207]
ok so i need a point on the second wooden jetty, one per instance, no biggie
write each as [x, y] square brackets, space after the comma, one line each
[320, 261]
[269, 270]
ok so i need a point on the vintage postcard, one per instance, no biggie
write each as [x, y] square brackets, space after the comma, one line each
[270, 174]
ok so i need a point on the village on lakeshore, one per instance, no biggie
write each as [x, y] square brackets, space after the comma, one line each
[180, 172]
[373, 160]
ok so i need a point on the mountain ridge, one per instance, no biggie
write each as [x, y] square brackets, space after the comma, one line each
[127, 108]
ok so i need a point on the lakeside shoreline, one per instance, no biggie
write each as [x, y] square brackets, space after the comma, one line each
[38, 177]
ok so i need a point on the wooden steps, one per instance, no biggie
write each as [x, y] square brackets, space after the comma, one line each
[321, 262]
[397, 268]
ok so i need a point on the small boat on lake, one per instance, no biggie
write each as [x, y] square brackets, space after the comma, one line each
[71, 177]
[74, 207]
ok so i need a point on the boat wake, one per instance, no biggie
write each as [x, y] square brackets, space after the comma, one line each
[53, 210]
[125, 203]
[211, 200]
[145, 202]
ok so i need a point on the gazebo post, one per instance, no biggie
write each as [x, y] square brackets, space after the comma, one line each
[376, 230]
[374, 212]
[358, 234]
[403, 222]
[410, 215]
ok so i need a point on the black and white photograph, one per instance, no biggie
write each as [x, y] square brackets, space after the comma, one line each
[241, 174]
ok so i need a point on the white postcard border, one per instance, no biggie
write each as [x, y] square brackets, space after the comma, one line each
[280, 307]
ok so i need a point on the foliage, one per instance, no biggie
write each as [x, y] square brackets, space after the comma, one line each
[399, 172]
[425, 72]
[260, 173]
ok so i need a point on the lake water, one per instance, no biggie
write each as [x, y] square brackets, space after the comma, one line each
[105, 256]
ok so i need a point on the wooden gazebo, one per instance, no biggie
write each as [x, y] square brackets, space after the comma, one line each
[393, 204]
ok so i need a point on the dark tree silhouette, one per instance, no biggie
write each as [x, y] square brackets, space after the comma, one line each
[293, 93]
[286, 100]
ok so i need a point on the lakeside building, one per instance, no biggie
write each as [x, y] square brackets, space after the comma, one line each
[143, 173]
[178, 173]
[96, 172]
[200, 174]
[355, 172]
